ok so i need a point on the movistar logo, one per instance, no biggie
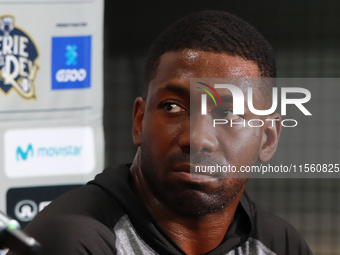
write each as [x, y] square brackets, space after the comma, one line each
[48, 152]
[23, 154]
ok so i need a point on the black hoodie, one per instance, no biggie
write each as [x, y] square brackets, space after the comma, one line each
[106, 217]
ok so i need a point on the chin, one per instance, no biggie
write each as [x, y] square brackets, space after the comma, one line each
[197, 203]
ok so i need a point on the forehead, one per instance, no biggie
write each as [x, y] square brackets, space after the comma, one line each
[183, 65]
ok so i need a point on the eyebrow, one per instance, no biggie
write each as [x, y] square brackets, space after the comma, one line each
[177, 89]
[226, 98]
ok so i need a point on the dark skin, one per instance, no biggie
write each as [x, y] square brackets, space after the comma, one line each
[194, 213]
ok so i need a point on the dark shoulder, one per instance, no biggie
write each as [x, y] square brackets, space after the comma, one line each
[77, 222]
[276, 233]
[73, 234]
[89, 200]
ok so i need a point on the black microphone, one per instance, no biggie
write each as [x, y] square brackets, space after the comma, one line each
[12, 238]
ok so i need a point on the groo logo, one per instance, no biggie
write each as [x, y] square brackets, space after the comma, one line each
[66, 75]
[71, 62]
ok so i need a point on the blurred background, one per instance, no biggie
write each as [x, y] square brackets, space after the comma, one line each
[305, 36]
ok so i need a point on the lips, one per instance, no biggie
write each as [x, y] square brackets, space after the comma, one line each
[183, 167]
[186, 172]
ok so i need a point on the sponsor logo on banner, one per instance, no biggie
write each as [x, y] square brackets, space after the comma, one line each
[41, 152]
[23, 204]
[49, 152]
[24, 154]
[18, 55]
[25, 210]
[71, 62]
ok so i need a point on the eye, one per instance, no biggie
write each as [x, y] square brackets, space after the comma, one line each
[172, 107]
[225, 113]
[233, 117]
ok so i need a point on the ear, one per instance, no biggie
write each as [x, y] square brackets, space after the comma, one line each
[270, 137]
[138, 114]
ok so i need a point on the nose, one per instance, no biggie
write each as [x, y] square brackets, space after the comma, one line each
[202, 134]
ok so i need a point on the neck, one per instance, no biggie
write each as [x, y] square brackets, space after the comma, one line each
[193, 234]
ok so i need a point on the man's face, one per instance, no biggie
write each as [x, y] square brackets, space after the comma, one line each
[166, 140]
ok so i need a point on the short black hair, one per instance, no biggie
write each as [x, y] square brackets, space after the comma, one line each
[213, 31]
